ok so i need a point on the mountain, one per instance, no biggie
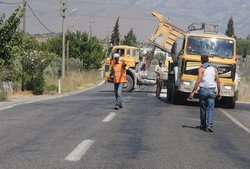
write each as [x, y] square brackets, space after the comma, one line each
[100, 16]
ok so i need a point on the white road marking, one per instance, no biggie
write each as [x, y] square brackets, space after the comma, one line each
[50, 98]
[235, 120]
[80, 150]
[243, 102]
[27, 102]
[109, 117]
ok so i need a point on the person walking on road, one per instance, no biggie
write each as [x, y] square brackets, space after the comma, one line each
[207, 80]
[118, 70]
[159, 75]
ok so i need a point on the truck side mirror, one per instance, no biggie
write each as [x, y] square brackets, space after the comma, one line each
[244, 52]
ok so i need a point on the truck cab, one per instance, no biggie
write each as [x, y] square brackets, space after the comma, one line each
[186, 54]
[186, 48]
[130, 55]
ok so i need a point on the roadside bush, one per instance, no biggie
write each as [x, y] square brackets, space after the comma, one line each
[39, 84]
[50, 89]
[3, 95]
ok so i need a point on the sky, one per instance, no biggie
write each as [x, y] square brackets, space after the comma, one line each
[98, 17]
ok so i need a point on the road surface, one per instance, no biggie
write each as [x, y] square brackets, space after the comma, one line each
[83, 131]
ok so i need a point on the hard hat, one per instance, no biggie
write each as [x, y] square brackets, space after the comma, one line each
[116, 55]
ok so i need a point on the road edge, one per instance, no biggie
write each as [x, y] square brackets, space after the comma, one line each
[235, 121]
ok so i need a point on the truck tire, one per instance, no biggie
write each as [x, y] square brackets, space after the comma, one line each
[176, 99]
[230, 102]
[129, 85]
[169, 91]
[173, 96]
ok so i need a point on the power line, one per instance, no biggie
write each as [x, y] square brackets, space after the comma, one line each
[123, 17]
[46, 13]
[11, 3]
[39, 19]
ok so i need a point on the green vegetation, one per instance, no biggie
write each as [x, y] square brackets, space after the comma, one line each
[115, 37]
[29, 64]
[230, 28]
[9, 37]
[244, 73]
[33, 66]
[130, 39]
[88, 49]
[3, 95]
[241, 45]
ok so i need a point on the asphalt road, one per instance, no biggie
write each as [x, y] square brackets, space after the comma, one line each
[83, 131]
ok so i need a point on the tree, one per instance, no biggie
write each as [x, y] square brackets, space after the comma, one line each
[9, 36]
[115, 37]
[230, 28]
[241, 44]
[248, 37]
[33, 65]
[53, 45]
[130, 39]
[88, 49]
[27, 45]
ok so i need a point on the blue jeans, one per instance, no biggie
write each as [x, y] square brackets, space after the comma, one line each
[207, 102]
[118, 93]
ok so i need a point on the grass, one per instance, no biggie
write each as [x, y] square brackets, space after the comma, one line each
[72, 82]
[76, 81]
[244, 92]
[244, 86]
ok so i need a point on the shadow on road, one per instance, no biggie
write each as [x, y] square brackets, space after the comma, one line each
[143, 91]
[106, 91]
[191, 127]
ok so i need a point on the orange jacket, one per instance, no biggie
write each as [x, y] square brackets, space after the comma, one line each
[119, 72]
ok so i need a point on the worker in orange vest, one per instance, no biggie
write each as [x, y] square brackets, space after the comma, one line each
[118, 70]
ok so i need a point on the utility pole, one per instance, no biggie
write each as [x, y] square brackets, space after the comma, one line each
[24, 16]
[63, 3]
[90, 25]
[67, 62]
[24, 30]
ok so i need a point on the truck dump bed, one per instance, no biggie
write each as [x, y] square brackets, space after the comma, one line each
[165, 34]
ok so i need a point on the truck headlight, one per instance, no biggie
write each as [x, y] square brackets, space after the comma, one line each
[186, 83]
[228, 87]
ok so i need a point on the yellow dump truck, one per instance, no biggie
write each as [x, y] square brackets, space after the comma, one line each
[130, 55]
[186, 48]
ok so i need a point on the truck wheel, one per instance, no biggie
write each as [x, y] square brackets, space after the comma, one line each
[230, 101]
[173, 96]
[169, 91]
[129, 85]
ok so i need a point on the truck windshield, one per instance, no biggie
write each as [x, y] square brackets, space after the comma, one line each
[210, 46]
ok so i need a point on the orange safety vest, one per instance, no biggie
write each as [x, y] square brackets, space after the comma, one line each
[119, 72]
